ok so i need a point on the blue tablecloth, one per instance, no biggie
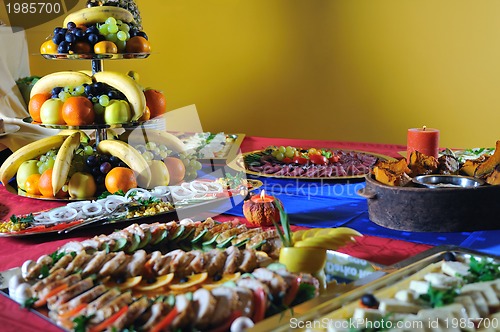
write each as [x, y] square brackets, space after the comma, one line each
[313, 203]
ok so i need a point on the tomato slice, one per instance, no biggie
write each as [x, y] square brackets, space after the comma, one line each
[287, 160]
[260, 304]
[167, 321]
[292, 291]
[300, 160]
[334, 159]
[318, 159]
[107, 322]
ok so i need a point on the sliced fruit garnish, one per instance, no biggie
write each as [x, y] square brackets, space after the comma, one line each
[192, 280]
[159, 282]
[128, 283]
[225, 278]
[297, 235]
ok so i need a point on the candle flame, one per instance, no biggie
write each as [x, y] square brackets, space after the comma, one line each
[424, 128]
[262, 194]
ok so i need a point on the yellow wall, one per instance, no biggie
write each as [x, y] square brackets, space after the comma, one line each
[324, 69]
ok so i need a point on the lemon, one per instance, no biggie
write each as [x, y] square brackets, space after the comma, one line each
[160, 282]
[193, 280]
[307, 260]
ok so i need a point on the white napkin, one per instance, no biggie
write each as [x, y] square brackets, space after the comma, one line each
[14, 64]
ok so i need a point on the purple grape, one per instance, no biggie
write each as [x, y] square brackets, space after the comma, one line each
[142, 34]
[56, 90]
[113, 94]
[58, 38]
[70, 38]
[63, 47]
[114, 160]
[91, 160]
[103, 158]
[71, 25]
[105, 167]
[92, 38]
[133, 32]
[121, 164]
[96, 171]
[79, 34]
[92, 29]
[99, 179]
[57, 30]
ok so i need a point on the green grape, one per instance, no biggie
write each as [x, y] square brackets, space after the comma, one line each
[274, 153]
[112, 28]
[111, 21]
[148, 155]
[50, 163]
[88, 150]
[74, 93]
[98, 108]
[280, 156]
[163, 154]
[119, 22]
[163, 148]
[52, 152]
[124, 27]
[104, 100]
[120, 45]
[63, 95]
[282, 149]
[103, 29]
[185, 162]
[290, 152]
[80, 90]
[42, 168]
[197, 166]
[68, 89]
[112, 37]
[52, 157]
[150, 145]
[95, 99]
[43, 158]
[39, 163]
[122, 35]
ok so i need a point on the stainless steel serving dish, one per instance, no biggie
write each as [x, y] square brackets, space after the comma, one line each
[447, 181]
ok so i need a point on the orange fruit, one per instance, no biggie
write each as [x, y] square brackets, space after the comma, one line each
[120, 178]
[77, 111]
[31, 184]
[156, 102]
[35, 104]
[104, 47]
[48, 47]
[45, 185]
[146, 115]
[176, 169]
[138, 44]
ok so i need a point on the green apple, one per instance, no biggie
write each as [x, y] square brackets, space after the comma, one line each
[82, 185]
[159, 173]
[26, 169]
[51, 111]
[117, 111]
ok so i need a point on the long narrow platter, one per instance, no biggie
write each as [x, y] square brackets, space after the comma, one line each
[179, 206]
[335, 309]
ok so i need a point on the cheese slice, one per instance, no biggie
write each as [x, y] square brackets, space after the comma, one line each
[455, 269]
[396, 306]
[442, 281]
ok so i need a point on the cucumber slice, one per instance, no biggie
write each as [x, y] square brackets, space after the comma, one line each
[242, 243]
[226, 242]
[178, 232]
[258, 245]
[120, 244]
[200, 236]
[134, 244]
[146, 240]
[211, 241]
[157, 238]
[186, 235]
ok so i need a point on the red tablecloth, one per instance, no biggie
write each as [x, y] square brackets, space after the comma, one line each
[14, 251]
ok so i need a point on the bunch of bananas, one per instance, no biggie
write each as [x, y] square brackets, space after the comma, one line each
[324, 238]
[99, 14]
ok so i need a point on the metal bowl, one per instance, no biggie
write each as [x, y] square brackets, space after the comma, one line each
[447, 181]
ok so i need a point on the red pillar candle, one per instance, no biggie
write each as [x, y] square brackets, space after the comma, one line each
[260, 210]
[424, 140]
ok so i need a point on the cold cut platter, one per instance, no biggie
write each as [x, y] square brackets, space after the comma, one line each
[132, 206]
[187, 276]
[445, 289]
[298, 163]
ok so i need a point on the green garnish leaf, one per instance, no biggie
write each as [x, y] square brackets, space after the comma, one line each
[27, 219]
[29, 302]
[482, 270]
[285, 232]
[107, 193]
[439, 298]
[57, 255]
[44, 271]
[81, 322]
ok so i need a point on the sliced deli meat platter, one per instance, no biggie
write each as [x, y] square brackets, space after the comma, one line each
[310, 163]
[183, 275]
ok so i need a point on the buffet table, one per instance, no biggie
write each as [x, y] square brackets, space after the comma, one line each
[310, 203]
